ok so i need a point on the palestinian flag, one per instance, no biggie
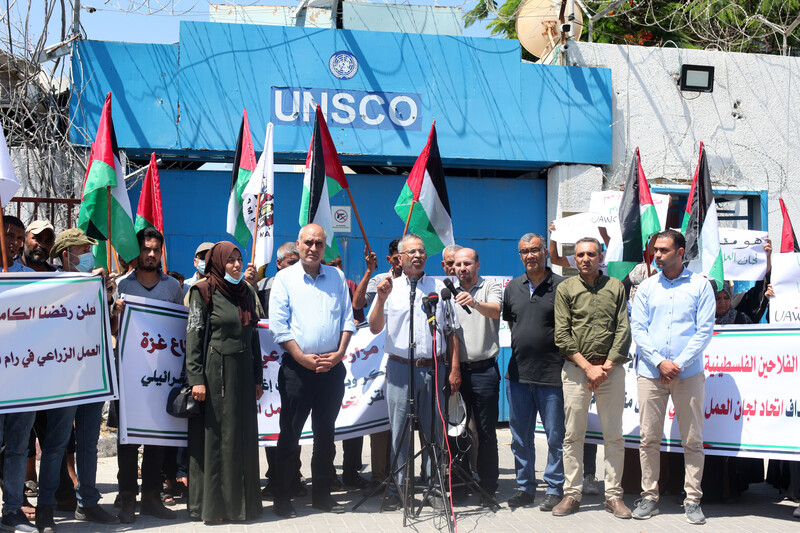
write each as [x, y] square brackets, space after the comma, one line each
[259, 198]
[788, 238]
[701, 227]
[244, 163]
[323, 178]
[104, 171]
[425, 196]
[149, 213]
[638, 221]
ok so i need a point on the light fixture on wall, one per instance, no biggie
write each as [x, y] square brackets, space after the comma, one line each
[697, 78]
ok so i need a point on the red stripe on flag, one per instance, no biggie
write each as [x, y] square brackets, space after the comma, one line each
[150, 200]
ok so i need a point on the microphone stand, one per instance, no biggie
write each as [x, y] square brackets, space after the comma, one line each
[455, 459]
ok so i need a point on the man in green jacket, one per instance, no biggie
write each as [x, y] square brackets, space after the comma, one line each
[593, 334]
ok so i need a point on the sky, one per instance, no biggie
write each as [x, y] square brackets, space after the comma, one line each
[111, 22]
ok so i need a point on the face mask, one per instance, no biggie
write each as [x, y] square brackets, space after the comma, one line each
[201, 268]
[231, 279]
[85, 262]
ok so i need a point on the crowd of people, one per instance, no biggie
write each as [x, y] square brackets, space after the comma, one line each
[570, 342]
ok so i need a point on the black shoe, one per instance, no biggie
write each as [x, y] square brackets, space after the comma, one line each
[96, 514]
[127, 507]
[326, 503]
[336, 485]
[460, 494]
[300, 489]
[521, 499]
[550, 501]
[266, 492]
[44, 519]
[355, 481]
[392, 503]
[489, 500]
[284, 508]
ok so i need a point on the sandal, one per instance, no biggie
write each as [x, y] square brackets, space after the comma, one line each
[31, 488]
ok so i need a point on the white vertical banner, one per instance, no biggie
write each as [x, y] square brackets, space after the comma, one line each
[152, 349]
[56, 341]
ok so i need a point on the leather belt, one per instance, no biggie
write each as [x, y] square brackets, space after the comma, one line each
[477, 365]
[597, 362]
[417, 362]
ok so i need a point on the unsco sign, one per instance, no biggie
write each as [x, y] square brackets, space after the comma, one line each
[295, 106]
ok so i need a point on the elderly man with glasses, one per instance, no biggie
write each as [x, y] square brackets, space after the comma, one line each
[392, 310]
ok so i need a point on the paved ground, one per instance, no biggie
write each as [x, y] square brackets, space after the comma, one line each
[759, 509]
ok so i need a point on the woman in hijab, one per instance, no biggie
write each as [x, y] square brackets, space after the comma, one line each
[226, 376]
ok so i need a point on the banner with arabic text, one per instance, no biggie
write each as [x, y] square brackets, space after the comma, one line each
[56, 341]
[152, 347]
[364, 409]
[743, 255]
[752, 403]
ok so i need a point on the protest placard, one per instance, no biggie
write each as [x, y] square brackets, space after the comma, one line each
[364, 409]
[743, 255]
[570, 230]
[604, 209]
[784, 308]
[152, 348]
[56, 348]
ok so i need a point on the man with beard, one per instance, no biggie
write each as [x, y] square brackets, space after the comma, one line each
[39, 239]
[146, 281]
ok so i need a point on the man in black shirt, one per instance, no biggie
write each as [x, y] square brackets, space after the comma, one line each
[533, 380]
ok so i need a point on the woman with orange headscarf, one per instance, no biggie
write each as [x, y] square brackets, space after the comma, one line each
[226, 376]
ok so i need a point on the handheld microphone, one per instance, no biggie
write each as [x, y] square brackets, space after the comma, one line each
[455, 290]
[429, 303]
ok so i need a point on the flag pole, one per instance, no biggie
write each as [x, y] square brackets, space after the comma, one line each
[255, 229]
[116, 259]
[108, 228]
[164, 256]
[358, 218]
[408, 219]
[3, 239]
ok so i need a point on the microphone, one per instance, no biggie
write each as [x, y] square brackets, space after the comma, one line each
[429, 303]
[455, 290]
[413, 280]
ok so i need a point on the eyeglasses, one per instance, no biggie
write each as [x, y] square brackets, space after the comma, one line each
[528, 251]
[416, 251]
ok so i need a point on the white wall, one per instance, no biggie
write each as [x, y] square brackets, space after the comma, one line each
[750, 124]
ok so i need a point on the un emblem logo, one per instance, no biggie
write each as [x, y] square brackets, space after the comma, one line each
[343, 65]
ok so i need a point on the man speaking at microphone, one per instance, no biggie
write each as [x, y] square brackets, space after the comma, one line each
[479, 343]
[392, 310]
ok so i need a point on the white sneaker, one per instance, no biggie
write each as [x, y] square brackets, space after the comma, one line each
[590, 487]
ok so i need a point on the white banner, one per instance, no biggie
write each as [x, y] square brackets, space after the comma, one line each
[56, 349]
[604, 207]
[743, 255]
[752, 404]
[364, 409]
[152, 348]
[784, 308]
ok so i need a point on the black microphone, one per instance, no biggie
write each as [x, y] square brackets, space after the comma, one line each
[455, 290]
[413, 280]
[429, 303]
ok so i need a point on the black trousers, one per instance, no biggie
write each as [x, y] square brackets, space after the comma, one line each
[128, 464]
[304, 391]
[480, 390]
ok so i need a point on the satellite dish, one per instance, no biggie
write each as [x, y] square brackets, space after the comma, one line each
[538, 27]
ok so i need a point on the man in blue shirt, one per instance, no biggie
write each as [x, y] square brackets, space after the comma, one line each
[311, 317]
[672, 323]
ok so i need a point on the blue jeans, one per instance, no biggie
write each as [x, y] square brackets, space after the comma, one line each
[396, 398]
[87, 419]
[524, 402]
[16, 429]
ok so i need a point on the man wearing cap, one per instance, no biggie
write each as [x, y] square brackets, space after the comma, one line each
[479, 345]
[15, 428]
[39, 239]
[73, 248]
[199, 265]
